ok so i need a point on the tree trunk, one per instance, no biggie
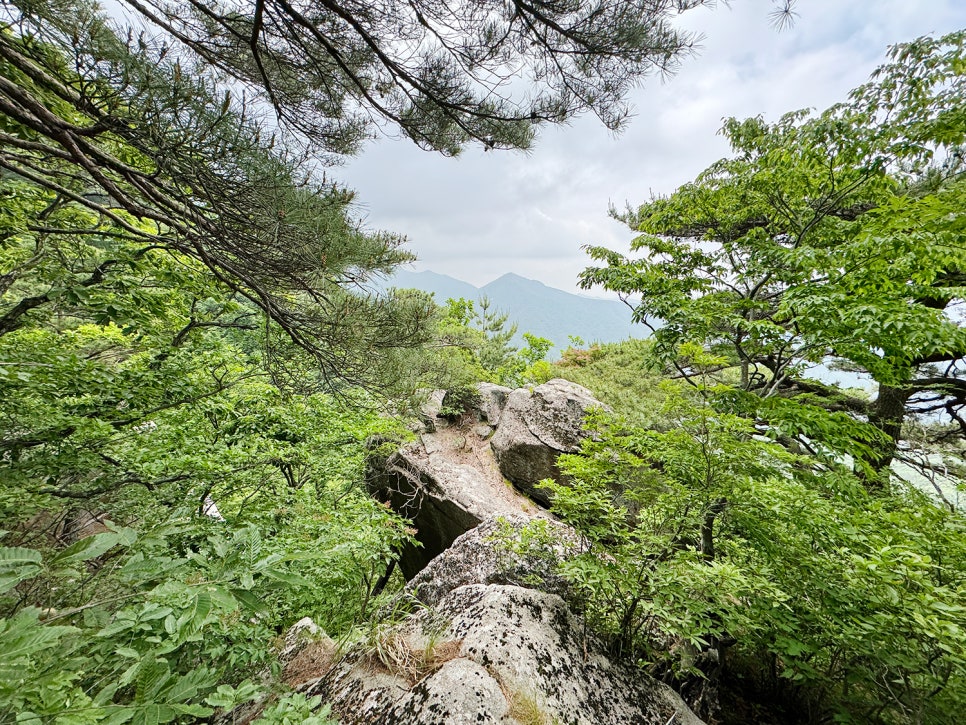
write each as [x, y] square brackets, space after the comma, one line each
[888, 414]
[707, 528]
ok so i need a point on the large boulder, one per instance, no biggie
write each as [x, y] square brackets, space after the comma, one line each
[492, 401]
[429, 411]
[452, 478]
[535, 427]
[494, 654]
[446, 483]
[502, 550]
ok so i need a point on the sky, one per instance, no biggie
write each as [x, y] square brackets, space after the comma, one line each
[482, 214]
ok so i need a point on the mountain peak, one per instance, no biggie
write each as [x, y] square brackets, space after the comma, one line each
[535, 307]
[514, 278]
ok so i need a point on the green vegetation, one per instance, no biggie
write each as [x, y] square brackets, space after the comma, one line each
[834, 237]
[623, 375]
[724, 556]
[188, 321]
[476, 347]
[129, 405]
[741, 522]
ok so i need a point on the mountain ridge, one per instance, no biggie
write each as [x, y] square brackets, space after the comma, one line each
[534, 307]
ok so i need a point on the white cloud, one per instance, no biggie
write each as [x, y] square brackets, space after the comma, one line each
[484, 214]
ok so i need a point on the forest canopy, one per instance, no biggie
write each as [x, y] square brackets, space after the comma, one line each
[834, 238]
[759, 514]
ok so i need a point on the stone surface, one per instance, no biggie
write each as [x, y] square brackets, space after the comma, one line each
[429, 411]
[556, 413]
[298, 635]
[307, 653]
[461, 692]
[534, 645]
[492, 554]
[483, 430]
[446, 484]
[492, 639]
[492, 401]
[453, 477]
[360, 691]
[510, 650]
[535, 428]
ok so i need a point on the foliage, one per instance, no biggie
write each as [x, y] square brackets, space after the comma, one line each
[481, 341]
[438, 72]
[708, 547]
[296, 709]
[835, 237]
[344, 542]
[158, 625]
[623, 375]
[141, 399]
[528, 555]
[136, 650]
[126, 154]
[200, 599]
[495, 349]
[745, 528]
[159, 279]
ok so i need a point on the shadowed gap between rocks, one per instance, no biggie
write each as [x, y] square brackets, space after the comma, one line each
[455, 476]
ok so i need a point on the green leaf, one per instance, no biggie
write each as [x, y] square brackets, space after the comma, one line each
[252, 602]
[17, 564]
[196, 616]
[25, 635]
[86, 549]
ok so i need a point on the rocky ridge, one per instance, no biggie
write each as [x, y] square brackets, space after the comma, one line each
[489, 636]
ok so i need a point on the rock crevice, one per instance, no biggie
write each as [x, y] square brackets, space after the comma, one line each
[453, 477]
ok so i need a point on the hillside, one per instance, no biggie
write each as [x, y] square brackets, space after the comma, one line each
[535, 307]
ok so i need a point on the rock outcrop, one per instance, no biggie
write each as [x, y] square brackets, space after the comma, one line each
[452, 478]
[535, 427]
[494, 654]
[475, 651]
[307, 653]
[492, 401]
[502, 550]
[483, 632]
[492, 639]
[429, 411]
[446, 483]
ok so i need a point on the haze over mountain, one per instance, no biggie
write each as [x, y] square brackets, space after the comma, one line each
[534, 307]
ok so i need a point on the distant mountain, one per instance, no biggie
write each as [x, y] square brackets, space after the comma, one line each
[534, 307]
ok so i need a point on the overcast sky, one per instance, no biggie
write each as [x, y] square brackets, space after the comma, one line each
[483, 214]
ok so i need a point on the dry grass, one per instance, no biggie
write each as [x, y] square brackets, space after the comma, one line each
[413, 660]
[313, 660]
[524, 707]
